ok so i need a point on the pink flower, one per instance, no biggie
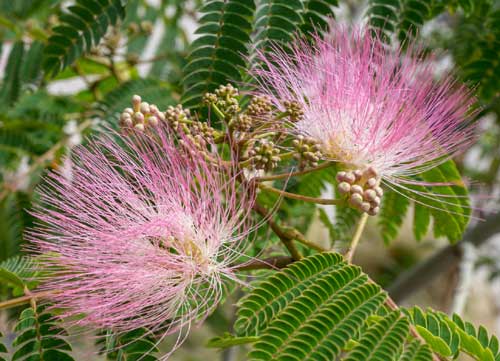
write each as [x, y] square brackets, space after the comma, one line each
[143, 235]
[370, 106]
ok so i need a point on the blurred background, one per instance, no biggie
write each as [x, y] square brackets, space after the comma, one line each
[52, 99]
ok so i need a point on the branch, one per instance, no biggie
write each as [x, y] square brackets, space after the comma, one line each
[284, 236]
[299, 196]
[292, 174]
[424, 272]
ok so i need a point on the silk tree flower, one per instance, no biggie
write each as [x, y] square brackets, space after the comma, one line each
[378, 110]
[143, 235]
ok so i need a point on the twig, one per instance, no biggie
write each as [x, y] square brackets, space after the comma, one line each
[282, 234]
[25, 299]
[299, 196]
[293, 174]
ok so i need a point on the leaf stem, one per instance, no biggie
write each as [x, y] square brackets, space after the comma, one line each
[292, 174]
[299, 196]
[357, 236]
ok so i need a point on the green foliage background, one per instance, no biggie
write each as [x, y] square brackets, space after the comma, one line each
[201, 44]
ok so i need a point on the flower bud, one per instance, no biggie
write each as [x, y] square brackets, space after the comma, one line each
[356, 200]
[344, 187]
[357, 189]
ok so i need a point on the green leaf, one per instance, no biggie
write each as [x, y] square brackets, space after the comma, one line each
[392, 214]
[82, 27]
[219, 54]
[134, 345]
[383, 340]
[40, 337]
[11, 85]
[308, 309]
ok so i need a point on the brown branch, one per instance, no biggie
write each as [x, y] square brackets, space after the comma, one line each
[25, 299]
[281, 233]
[444, 259]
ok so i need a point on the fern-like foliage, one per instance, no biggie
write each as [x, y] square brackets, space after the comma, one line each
[447, 205]
[80, 28]
[18, 272]
[322, 308]
[309, 310]
[40, 337]
[450, 336]
[316, 13]
[131, 346]
[277, 20]
[400, 17]
[218, 55]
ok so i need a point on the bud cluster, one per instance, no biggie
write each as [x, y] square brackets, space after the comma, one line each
[225, 98]
[177, 115]
[141, 115]
[308, 151]
[264, 155]
[259, 106]
[294, 110]
[361, 189]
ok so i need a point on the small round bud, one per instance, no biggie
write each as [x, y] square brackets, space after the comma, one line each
[344, 187]
[136, 102]
[349, 177]
[379, 191]
[372, 182]
[139, 127]
[145, 108]
[341, 176]
[129, 111]
[373, 211]
[370, 194]
[365, 206]
[127, 122]
[357, 189]
[358, 174]
[152, 120]
[356, 200]
[139, 117]
[370, 172]
[376, 201]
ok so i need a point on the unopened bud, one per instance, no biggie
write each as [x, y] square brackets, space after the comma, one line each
[379, 191]
[370, 194]
[357, 189]
[372, 182]
[139, 117]
[145, 108]
[344, 187]
[139, 126]
[356, 200]
[136, 102]
[373, 211]
[365, 206]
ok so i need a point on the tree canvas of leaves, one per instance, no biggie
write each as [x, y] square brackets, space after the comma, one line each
[164, 217]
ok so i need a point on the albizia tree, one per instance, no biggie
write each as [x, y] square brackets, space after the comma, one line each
[159, 220]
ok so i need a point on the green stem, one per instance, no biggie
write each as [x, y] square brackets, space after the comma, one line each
[293, 174]
[218, 112]
[355, 239]
[300, 197]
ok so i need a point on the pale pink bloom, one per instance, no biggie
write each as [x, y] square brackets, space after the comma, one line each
[143, 235]
[369, 105]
